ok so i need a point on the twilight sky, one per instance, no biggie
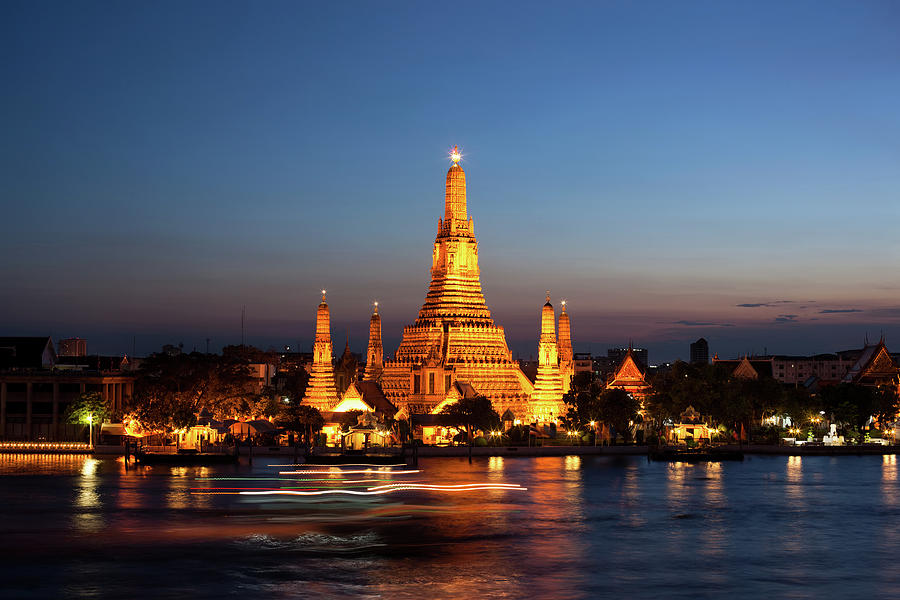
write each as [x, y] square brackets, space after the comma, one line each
[673, 169]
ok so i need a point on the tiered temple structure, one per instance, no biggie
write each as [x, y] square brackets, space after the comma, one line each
[630, 377]
[546, 399]
[566, 356]
[320, 391]
[454, 338]
[375, 352]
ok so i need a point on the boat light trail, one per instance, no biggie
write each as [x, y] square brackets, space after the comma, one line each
[351, 472]
[342, 465]
[381, 490]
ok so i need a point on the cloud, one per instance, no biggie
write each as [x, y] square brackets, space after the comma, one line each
[701, 324]
[786, 318]
[767, 304]
[832, 311]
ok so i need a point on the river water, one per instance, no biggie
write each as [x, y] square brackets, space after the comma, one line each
[583, 527]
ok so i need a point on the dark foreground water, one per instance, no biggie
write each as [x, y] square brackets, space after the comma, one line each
[818, 527]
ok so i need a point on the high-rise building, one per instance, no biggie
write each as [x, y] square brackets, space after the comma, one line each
[72, 347]
[454, 338]
[700, 352]
[617, 355]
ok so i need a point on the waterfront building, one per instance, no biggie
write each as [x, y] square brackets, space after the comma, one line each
[700, 352]
[691, 426]
[454, 339]
[375, 351]
[320, 391]
[365, 396]
[35, 391]
[546, 399]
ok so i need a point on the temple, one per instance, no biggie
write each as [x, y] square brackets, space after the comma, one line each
[630, 378]
[546, 399]
[454, 339]
[566, 356]
[375, 352]
[320, 391]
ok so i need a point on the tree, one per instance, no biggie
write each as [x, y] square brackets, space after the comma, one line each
[582, 402]
[349, 419]
[887, 404]
[619, 409]
[470, 415]
[301, 419]
[171, 388]
[89, 407]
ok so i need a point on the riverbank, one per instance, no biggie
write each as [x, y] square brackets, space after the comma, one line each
[512, 451]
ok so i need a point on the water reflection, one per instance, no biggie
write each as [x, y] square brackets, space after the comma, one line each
[90, 517]
[591, 527]
[495, 467]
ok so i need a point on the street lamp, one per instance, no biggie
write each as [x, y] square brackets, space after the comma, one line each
[594, 431]
[91, 430]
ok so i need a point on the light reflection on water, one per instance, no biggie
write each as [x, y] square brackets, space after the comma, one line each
[586, 527]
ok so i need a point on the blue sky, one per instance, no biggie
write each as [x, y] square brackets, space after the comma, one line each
[658, 164]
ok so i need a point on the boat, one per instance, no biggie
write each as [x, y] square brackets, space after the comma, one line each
[693, 455]
[184, 457]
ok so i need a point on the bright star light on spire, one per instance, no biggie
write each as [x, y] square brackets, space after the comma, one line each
[455, 155]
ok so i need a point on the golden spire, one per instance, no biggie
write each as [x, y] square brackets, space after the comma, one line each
[548, 321]
[320, 391]
[375, 351]
[455, 195]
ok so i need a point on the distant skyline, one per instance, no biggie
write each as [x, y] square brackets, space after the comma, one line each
[730, 171]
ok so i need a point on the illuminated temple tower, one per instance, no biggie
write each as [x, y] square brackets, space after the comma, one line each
[375, 353]
[320, 391]
[546, 399]
[566, 356]
[454, 338]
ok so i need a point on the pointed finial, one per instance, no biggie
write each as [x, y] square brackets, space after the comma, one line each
[563, 304]
[323, 295]
[375, 304]
[548, 295]
[455, 156]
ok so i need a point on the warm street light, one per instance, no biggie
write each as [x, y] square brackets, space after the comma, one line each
[91, 430]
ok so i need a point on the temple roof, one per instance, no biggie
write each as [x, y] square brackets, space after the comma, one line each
[371, 394]
[875, 360]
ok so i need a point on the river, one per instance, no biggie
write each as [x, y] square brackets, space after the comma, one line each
[560, 527]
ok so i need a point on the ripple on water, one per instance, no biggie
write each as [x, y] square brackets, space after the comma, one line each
[312, 542]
